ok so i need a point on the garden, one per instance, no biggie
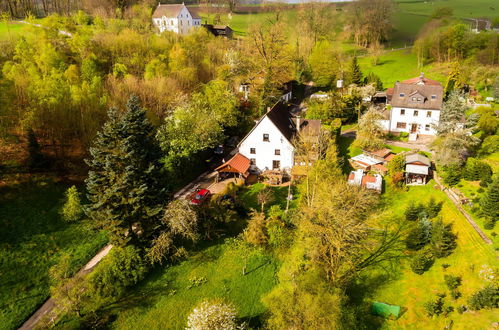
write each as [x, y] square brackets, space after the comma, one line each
[34, 237]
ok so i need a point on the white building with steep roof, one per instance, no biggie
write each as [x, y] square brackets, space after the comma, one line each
[177, 18]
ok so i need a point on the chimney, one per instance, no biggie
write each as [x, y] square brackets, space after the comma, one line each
[298, 123]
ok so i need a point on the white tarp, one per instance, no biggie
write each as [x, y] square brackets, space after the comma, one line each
[417, 169]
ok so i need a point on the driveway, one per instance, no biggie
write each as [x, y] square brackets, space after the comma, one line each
[422, 143]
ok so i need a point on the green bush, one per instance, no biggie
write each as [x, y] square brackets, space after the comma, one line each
[461, 309]
[488, 297]
[455, 294]
[421, 262]
[419, 236]
[435, 307]
[452, 282]
[489, 223]
[452, 175]
[122, 268]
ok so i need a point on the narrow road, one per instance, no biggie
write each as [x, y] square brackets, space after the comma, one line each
[48, 309]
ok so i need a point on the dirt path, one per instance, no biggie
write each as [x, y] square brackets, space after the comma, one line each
[455, 199]
[49, 307]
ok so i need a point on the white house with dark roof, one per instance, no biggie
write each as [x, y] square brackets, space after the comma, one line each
[415, 106]
[177, 18]
[269, 145]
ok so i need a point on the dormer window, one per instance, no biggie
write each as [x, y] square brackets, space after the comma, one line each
[419, 99]
[402, 94]
[414, 99]
[433, 97]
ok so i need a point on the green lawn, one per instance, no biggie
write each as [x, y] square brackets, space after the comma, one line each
[400, 286]
[397, 66]
[167, 296]
[32, 239]
[462, 8]
[241, 22]
[11, 30]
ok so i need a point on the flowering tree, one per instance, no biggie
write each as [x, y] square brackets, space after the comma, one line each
[210, 315]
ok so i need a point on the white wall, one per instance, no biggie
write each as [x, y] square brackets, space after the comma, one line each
[265, 151]
[421, 120]
[181, 24]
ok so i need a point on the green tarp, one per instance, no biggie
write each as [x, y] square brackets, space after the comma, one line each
[385, 310]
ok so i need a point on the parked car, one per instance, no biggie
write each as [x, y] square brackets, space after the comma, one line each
[200, 196]
[219, 150]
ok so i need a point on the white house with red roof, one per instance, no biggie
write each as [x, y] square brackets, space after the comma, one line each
[177, 18]
[415, 107]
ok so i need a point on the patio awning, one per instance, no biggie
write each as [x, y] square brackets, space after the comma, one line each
[237, 164]
[416, 169]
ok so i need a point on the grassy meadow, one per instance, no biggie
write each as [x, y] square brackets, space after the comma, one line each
[11, 30]
[462, 8]
[400, 65]
[400, 286]
[32, 239]
[169, 294]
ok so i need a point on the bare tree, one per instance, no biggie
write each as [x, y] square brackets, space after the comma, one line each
[370, 20]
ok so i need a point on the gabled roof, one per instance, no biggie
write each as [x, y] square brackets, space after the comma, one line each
[237, 164]
[280, 116]
[403, 94]
[173, 10]
[169, 10]
[417, 158]
[420, 80]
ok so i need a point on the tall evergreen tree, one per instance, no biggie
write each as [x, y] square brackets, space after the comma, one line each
[124, 182]
[36, 159]
[490, 201]
[443, 240]
[355, 73]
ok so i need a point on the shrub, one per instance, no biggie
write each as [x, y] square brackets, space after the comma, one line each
[461, 309]
[452, 175]
[212, 315]
[488, 297]
[435, 307]
[421, 262]
[480, 190]
[455, 294]
[256, 231]
[452, 282]
[489, 203]
[122, 268]
[489, 223]
[72, 209]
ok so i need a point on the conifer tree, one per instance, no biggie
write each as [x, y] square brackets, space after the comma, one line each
[433, 208]
[490, 202]
[412, 212]
[124, 182]
[72, 209]
[443, 240]
[355, 73]
[36, 159]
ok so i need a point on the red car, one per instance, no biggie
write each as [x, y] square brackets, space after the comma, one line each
[200, 196]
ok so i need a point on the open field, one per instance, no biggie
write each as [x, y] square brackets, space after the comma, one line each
[399, 65]
[462, 8]
[11, 30]
[32, 239]
[400, 286]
